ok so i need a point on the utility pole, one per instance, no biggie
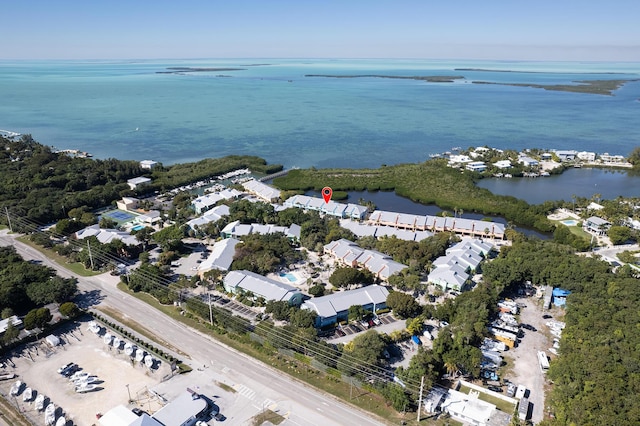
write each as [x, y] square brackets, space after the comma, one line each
[90, 256]
[6, 210]
[420, 400]
[210, 310]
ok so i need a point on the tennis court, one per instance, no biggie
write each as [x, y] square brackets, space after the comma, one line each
[119, 216]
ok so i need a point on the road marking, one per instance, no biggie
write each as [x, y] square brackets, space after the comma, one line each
[246, 392]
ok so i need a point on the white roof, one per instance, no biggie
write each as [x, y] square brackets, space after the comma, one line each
[118, 416]
[221, 256]
[138, 180]
[239, 229]
[332, 208]
[377, 263]
[261, 190]
[213, 215]
[105, 236]
[412, 222]
[259, 285]
[462, 406]
[186, 406]
[448, 276]
[332, 304]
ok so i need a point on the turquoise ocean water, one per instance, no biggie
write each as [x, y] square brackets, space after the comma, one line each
[124, 109]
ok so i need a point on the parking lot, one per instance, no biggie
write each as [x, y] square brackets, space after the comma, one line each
[118, 378]
[346, 333]
[235, 307]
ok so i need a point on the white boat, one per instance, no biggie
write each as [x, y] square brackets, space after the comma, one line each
[7, 376]
[107, 339]
[93, 327]
[50, 414]
[85, 380]
[140, 355]
[61, 421]
[129, 348]
[149, 361]
[116, 342]
[40, 402]
[86, 388]
[15, 389]
[78, 375]
[27, 395]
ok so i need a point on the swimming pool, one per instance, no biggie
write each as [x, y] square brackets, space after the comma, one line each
[289, 276]
[570, 222]
[137, 227]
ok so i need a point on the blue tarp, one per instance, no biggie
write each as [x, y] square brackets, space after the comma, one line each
[559, 292]
[415, 340]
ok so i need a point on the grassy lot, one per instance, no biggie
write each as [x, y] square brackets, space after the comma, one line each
[501, 405]
[76, 268]
[575, 230]
[267, 416]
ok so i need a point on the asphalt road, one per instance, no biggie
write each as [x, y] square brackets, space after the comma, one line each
[302, 404]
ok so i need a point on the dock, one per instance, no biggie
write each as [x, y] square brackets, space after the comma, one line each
[277, 174]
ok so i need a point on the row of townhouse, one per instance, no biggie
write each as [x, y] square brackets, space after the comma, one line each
[264, 192]
[462, 226]
[378, 231]
[236, 230]
[350, 254]
[332, 208]
[205, 202]
[455, 268]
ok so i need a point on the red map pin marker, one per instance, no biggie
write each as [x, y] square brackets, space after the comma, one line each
[326, 194]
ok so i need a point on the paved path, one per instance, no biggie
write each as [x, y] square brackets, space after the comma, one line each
[304, 405]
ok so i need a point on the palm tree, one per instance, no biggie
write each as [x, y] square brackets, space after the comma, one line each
[451, 367]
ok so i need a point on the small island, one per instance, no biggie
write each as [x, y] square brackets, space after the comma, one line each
[427, 78]
[181, 70]
[530, 72]
[595, 87]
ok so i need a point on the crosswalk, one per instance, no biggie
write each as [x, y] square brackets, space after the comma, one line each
[246, 392]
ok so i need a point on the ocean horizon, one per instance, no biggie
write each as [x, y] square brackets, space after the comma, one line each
[140, 109]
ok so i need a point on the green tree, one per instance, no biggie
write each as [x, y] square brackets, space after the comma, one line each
[281, 310]
[344, 276]
[6, 313]
[403, 305]
[37, 318]
[619, 234]
[10, 334]
[317, 290]
[356, 313]
[415, 325]
[69, 310]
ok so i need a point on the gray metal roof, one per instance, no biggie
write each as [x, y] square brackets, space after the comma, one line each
[221, 256]
[176, 413]
[259, 285]
[332, 304]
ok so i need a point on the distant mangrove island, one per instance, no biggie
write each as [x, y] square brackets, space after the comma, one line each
[428, 78]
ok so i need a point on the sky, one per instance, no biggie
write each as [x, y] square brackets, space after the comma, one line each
[554, 30]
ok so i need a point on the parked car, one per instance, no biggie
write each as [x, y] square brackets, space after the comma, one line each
[546, 316]
[494, 388]
[371, 323]
[340, 332]
[219, 417]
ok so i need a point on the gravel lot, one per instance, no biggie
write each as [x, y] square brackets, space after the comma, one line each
[115, 372]
[526, 370]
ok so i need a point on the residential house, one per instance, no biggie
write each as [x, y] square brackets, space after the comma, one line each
[206, 202]
[148, 164]
[261, 286]
[138, 182]
[335, 307]
[210, 216]
[567, 155]
[596, 225]
[528, 161]
[127, 203]
[476, 166]
[503, 164]
[105, 236]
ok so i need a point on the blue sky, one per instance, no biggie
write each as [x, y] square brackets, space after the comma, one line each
[567, 30]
